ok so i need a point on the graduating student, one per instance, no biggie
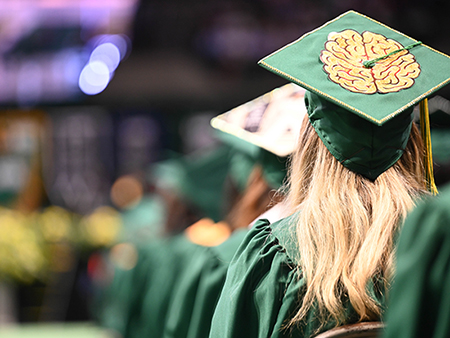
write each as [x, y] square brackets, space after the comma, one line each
[357, 171]
[144, 272]
[264, 132]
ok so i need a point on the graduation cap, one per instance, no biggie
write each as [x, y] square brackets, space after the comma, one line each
[266, 131]
[363, 78]
[197, 178]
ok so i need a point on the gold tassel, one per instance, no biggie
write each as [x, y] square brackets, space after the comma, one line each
[426, 136]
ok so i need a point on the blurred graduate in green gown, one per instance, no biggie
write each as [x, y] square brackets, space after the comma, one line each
[262, 130]
[419, 304]
[145, 269]
[356, 173]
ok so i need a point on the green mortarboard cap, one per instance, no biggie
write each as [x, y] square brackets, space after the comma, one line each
[198, 178]
[169, 173]
[265, 129]
[363, 79]
[205, 176]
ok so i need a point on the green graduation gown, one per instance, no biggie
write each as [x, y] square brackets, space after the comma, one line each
[137, 302]
[195, 297]
[172, 291]
[263, 288]
[419, 302]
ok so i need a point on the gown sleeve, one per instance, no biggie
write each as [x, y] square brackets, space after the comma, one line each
[164, 276]
[419, 302]
[195, 297]
[261, 291]
[120, 301]
[137, 302]
[264, 289]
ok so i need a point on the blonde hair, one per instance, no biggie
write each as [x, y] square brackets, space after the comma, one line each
[347, 224]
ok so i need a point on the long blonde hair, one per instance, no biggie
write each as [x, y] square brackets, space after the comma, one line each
[347, 224]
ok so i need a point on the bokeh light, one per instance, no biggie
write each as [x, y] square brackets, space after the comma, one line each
[127, 191]
[122, 42]
[107, 53]
[124, 255]
[94, 78]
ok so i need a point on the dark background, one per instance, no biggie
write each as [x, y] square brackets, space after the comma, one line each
[203, 53]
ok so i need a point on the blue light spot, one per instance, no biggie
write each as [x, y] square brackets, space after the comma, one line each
[108, 54]
[94, 78]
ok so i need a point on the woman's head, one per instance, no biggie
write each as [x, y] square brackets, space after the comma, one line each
[312, 165]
